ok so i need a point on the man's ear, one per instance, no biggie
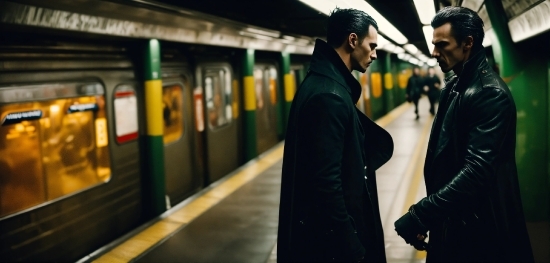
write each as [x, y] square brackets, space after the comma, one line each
[353, 40]
[468, 43]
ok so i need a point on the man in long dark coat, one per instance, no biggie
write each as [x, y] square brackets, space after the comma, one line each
[473, 210]
[329, 205]
[433, 82]
[414, 89]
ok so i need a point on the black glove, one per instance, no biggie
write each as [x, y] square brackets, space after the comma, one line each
[408, 227]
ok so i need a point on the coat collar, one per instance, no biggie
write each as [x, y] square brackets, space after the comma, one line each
[470, 67]
[327, 62]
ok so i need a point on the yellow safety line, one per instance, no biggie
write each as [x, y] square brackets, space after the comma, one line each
[416, 170]
[392, 115]
[141, 242]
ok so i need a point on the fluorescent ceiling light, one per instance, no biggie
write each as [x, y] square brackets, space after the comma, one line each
[428, 35]
[326, 6]
[382, 41]
[423, 58]
[407, 57]
[532, 22]
[432, 62]
[398, 50]
[413, 60]
[412, 49]
[425, 10]
[401, 55]
[274, 34]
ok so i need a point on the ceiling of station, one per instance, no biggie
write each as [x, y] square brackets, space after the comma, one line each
[292, 17]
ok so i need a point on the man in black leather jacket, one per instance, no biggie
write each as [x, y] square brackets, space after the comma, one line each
[329, 204]
[473, 208]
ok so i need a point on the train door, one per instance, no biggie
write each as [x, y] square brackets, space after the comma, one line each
[180, 176]
[265, 76]
[220, 124]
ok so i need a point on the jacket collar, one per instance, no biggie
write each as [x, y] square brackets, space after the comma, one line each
[327, 62]
[470, 66]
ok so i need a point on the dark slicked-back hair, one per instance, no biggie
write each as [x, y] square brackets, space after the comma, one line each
[464, 22]
[343, 22]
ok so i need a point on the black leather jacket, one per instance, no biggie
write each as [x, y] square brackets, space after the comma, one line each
[473, 207]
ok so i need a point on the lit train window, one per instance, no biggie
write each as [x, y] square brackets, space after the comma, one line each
[51, 145]
[218, 96]
[126, 117]
[266, 85]
[172, 112]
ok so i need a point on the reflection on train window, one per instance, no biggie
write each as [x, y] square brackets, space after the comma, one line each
[172, 100]
[217, 86]
[49, 149]
[266, 85]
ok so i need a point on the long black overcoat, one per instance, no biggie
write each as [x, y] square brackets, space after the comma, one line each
[473, 207]
[329, 205]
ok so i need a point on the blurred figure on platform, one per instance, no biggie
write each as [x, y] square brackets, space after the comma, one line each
[433, 83]
[414, 89]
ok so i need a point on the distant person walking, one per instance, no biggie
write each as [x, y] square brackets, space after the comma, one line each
[414, 89]
[433, 83]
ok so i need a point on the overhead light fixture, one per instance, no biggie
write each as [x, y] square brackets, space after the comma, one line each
[425, 10]
[413, 61]
[428, 35]
[273, 34]
[401, 56]
[432, 62]
[531, 22]
[412, 49]
[407, 57]
[398, 50]
[326, 6]
[248, 34]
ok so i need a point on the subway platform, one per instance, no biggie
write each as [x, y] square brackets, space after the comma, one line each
[235, 220]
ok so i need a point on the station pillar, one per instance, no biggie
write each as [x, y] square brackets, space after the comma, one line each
[154, 182]
[289, 81]
[388, 84]
[527, 76]
[250, 137]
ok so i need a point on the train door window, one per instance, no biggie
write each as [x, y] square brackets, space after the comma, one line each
[266, 85]
[126, 117]
[51, 145]
[218, 96]
[172, 100]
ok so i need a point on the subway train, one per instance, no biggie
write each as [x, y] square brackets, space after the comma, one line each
[106, 124]
[109, 118]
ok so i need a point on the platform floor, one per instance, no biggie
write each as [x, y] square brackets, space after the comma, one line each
[235, 220]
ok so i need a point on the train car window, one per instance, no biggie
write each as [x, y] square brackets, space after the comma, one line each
[53, 142]
[218, 96]
[272, 78]
[126, 117]
[260, 89]
[172, 112]
[266, 85]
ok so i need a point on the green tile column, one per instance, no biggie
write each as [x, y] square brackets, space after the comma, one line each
[250, 137]
[389, 102]
[526, 79]
[154, 183]
[289, 88]
[376, 90]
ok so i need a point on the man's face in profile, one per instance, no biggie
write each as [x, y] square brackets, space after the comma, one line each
[365, 51]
